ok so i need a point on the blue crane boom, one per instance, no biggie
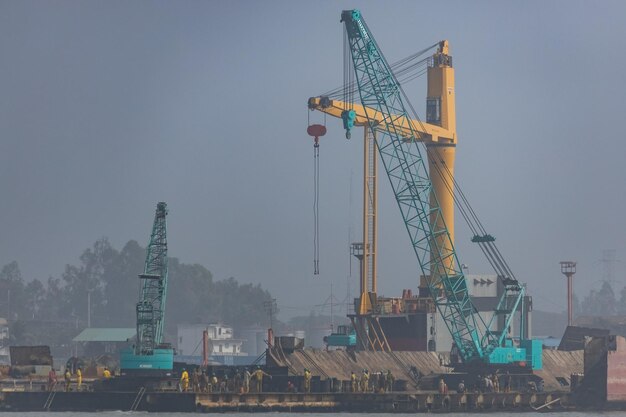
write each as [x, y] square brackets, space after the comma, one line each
[396, 140]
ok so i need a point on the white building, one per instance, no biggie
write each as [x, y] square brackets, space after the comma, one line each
[4, 341]
[485, 292]
[221, 340]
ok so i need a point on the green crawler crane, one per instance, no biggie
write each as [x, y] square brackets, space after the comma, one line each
[149, 355]
[382, 98]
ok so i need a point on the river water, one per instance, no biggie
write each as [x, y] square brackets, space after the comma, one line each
[125, 413]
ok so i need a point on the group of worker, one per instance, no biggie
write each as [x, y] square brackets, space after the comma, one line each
[380, 382]
[67, 376]
[240, 383]
[492, 382]
[486, 383]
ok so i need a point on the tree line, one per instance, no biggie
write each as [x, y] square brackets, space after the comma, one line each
[601, 302]
[105, 283]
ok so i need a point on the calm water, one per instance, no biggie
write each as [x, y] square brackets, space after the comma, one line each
[124, 413]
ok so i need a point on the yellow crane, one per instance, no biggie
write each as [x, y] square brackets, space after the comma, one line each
[438, 133]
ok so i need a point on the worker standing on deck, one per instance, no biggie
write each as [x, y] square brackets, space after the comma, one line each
[353, 382]
[479, 384]
[204, 382]
[307, 380]
[460, 389]
[68, 379]
[52, 379]
[382, 382]
[195, 380]
[496, 382]
[365, 380]
[488, 384]
[246, 381]
[106, 373]
[224, 383]
[389, 379]
[214, 387]
[237, 382]
[258, 375]
[79, 378]
[184, 380]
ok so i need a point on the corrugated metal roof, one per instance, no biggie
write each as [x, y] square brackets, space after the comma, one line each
[94, 334]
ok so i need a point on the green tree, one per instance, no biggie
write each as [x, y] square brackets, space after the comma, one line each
[111, 278]
[52, 300]
[87, 278]
[600, 303]
[240, 305]
[121, 290]
[621, 307]
[35, 295]
[12, 291]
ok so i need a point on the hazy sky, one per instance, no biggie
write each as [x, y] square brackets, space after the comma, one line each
[107, 107]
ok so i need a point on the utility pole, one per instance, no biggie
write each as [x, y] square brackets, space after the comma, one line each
[332, 319]
[568, 268]
[88, 308]
[270, 307]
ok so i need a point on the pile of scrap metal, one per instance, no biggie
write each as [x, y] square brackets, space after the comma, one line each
[30, 360]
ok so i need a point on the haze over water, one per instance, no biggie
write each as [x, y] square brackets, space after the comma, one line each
[118, 413]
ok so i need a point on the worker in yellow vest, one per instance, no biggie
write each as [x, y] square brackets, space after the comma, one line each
[353, 382]
[106, 373]
[307, 380]
[365, 381]
[79, 378]
[258, 375]
[184, 380]
[68, 379]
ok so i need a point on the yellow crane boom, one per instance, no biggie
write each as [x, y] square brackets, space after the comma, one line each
[430, 133]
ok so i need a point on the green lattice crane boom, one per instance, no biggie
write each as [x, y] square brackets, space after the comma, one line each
[380, 94]
[151, 305]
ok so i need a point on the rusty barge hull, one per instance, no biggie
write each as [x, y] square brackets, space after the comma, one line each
[281, 402]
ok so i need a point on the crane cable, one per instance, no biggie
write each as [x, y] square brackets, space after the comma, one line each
[406, 69]
[490, 245]
[316, 209]
[465, 209]
[348, 75]
[487, 246]
[316, 199]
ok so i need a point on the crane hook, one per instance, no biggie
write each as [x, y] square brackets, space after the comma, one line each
[316, 131]
[348, 117]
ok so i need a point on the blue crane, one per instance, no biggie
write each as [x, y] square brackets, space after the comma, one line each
[149, 353]
[396, 139]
